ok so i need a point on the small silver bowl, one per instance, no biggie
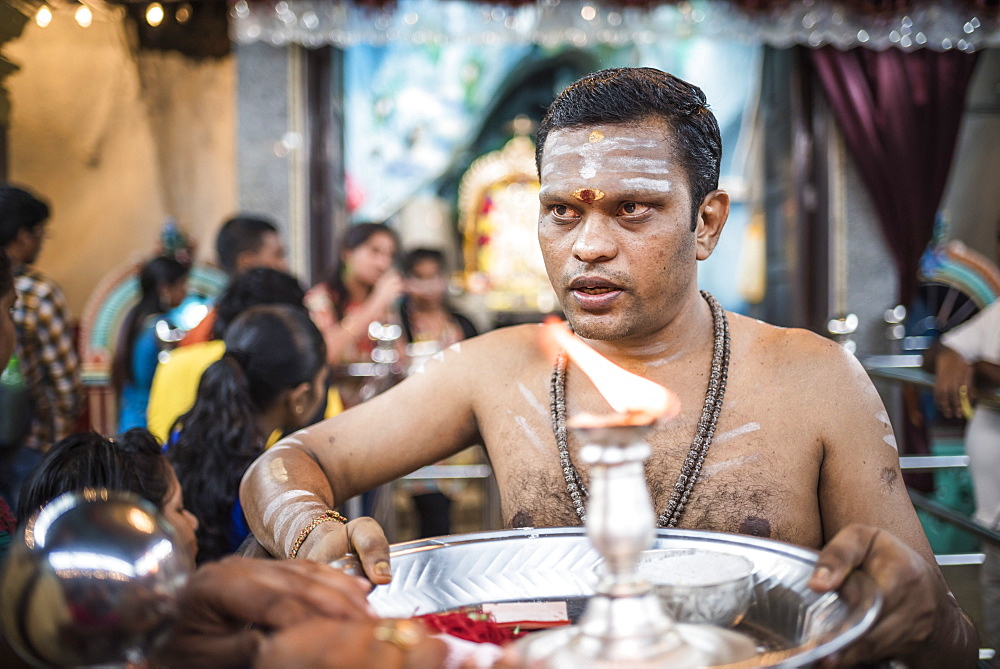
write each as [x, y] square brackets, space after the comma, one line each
[699, 586]
[92, 579]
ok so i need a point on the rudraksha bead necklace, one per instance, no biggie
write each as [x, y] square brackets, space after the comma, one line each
[702, 438]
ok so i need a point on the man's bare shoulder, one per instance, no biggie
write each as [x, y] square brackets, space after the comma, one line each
[488, 359]
[515, 344]
[790, 349]
[805, 375]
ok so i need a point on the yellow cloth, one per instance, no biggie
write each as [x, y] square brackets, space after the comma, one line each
[175, 386]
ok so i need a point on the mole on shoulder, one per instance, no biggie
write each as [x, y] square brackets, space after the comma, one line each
[522, 519]
[889, 476]
[756, 527]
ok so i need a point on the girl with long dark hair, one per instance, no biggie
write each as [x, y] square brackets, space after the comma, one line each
[271, 377]
[363, 287]
[162, 284]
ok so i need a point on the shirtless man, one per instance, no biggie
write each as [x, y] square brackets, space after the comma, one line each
[803, 450]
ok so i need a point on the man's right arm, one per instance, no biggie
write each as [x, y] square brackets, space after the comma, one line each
[424, 419]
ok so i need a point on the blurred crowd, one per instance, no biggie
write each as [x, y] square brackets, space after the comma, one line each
[269, 357]
[196, 405]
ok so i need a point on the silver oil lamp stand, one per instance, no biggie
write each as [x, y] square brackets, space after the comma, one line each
[623, 623]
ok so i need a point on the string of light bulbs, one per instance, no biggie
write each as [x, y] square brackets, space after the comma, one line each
[85, 12]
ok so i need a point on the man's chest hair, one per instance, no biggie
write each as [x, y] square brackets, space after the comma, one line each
[749, 502]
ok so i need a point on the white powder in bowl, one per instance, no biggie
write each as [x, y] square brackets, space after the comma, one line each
[692, 567]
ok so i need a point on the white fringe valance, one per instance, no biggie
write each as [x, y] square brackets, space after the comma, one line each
[940, 26]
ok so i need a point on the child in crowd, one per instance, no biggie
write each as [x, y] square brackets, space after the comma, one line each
[163, 284]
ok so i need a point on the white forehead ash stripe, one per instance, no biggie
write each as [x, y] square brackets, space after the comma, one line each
[645, 183]
[649, 165]
[595, 154]
[562, 148]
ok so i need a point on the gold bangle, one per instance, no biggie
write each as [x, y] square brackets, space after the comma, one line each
[403, 634]
[329, 514]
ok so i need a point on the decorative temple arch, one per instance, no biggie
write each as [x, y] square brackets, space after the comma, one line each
[498, 215]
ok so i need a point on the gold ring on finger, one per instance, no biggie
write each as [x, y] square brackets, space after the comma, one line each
[403, 634]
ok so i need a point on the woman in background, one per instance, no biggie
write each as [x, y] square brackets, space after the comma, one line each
[430, 325]
[271, 377]
[362, 288]
[163, 285]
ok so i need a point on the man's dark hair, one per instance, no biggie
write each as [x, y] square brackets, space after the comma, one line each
[628, 95]
[19, 208]
[260, 285]
[238, 235]
[419, 255]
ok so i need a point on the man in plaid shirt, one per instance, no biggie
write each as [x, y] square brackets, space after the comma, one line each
[45, 347]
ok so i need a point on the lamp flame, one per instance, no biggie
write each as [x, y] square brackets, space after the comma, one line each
[636, 399]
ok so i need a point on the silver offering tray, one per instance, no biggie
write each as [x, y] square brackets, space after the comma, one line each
[793, 625]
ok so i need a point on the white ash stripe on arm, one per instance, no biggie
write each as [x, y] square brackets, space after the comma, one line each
[281, 501]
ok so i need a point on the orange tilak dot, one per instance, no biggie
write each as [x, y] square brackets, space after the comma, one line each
[588, 195]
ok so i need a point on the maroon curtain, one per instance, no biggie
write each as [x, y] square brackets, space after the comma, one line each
[899, 113]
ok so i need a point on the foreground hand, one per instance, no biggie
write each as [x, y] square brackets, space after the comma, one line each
[952, 377]
[912, 591]
[386, 644]
[363, 536]
[222, 599]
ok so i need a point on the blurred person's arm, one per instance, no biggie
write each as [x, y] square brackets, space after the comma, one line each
[338, 335]
[986, 374]
[964, 355]
[59, 361]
